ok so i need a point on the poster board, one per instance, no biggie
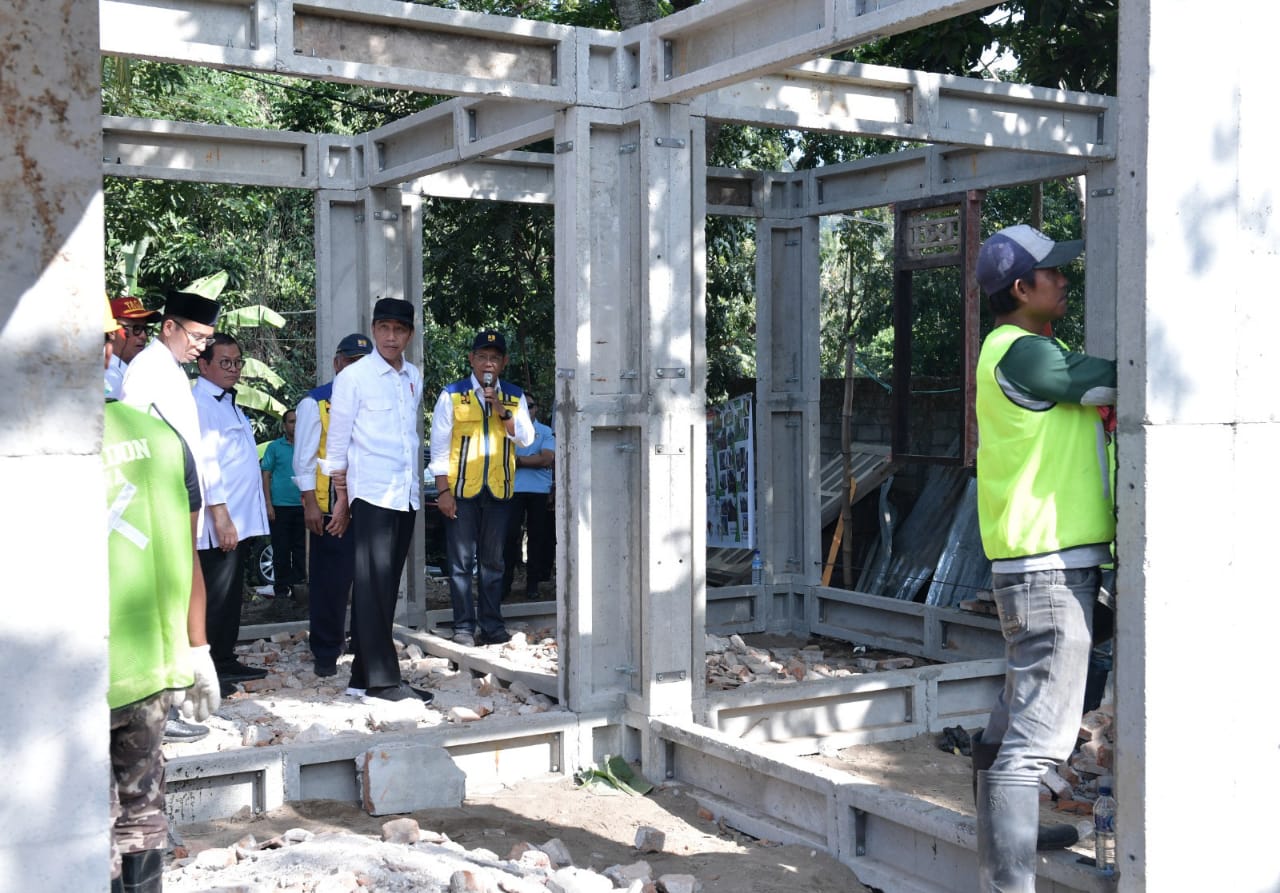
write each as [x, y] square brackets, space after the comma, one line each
[731, 483]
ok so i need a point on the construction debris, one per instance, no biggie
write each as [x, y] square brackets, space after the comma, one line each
[731, 662]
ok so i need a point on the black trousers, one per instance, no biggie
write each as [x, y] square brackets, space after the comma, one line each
[477, 535]
[529, 515]
[333, 563]
[382, 538]
[288, 547]
[224, 593]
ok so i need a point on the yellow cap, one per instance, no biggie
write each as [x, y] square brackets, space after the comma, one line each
[109, 324]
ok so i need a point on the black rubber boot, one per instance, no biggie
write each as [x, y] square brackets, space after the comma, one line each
[142, 872]
[1048, 837]
[1008, 803]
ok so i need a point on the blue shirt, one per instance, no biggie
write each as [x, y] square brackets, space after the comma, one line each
[536, 480]
[278, 459]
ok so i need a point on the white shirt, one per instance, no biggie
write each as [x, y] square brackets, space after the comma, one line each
[113, 377]
[155, 378]
[373, 432]
[306, 444]
[232, 474]
[442, 426]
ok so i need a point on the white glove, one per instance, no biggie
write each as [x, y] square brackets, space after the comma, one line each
[205, 695]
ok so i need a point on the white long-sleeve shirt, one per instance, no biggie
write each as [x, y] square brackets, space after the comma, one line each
[155, 378]
[442, 426]
[373, 432]
[306, 444]
[232, 474]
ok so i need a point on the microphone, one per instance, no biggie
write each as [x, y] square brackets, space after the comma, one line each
[488, 380]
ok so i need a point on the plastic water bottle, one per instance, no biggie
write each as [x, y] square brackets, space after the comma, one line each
[1104, 830]
[757, 568]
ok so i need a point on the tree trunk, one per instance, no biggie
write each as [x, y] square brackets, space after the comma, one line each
[635, 12]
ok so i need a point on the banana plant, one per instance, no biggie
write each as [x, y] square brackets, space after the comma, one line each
[232, 321]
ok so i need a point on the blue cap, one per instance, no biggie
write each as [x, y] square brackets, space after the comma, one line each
[355, 345]
[1014, 252]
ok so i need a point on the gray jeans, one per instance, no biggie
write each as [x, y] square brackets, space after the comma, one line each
[1046, 618]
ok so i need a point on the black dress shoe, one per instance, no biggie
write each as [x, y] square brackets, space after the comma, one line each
[402, 692]
[227, 688]
[323, 669]
[238, 672]
[499, 638]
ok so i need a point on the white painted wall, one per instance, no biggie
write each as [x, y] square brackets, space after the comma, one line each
[1199, 732]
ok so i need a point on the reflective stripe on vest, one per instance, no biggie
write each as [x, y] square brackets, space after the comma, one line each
[481, 456]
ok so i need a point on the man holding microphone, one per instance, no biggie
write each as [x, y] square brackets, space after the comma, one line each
[477, 424]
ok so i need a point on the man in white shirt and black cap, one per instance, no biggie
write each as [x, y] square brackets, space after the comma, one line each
[373, 458]
[235, 509]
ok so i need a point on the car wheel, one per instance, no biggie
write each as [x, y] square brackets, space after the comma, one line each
[261, 562]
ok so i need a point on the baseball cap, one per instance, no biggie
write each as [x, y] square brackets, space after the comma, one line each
[393, 309]
[355, 345]
[131, 308]
[1015, 251]
[488, 338]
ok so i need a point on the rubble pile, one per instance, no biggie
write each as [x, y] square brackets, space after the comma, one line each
[731, 662]
[293, 704]
[406, 858]
[1073, 786]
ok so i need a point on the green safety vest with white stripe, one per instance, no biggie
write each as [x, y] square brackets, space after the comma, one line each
[1044, 480]
[149, 555]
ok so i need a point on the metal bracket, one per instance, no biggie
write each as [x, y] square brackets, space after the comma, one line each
[860, 832]
[628, 374]
[668, 142]
[1099, 193]
[628, 148]
[566, 146]
[670, 372]
[664, 449]
[385, 215]
[629, 670]
[671, 676]
[565, 373]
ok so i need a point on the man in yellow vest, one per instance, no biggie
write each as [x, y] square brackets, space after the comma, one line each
[1047, 518]
[332, 559]
[476, 426]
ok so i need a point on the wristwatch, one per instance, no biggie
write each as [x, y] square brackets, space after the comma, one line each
[506, 415]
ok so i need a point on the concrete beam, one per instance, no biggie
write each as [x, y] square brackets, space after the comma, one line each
[399, 45]
[721, 42]
[452, 133]
[873, 100]
[208, 153]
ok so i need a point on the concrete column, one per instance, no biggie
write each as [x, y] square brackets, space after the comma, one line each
[53, 641]
[630, 410]
[1198, 750]
[1101, 238]
[787, 394]
[369, 246]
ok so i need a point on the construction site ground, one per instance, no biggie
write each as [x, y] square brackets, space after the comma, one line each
[597, 825]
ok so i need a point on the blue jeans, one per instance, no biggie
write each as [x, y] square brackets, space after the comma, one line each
[1046, 618]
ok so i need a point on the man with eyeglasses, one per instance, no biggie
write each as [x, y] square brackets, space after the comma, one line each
[156, 383]
[235, 507]
[135, 323]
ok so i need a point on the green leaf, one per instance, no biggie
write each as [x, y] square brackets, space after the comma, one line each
[256, 369]
[251, 317]
[209, 286]
[251, 398]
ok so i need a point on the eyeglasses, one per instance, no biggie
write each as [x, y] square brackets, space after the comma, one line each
[229, 364]
[196, 340]
[137, 329]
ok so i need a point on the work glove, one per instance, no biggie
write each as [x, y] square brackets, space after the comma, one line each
[205, 695]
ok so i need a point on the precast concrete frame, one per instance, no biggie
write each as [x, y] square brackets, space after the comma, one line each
[627, 112]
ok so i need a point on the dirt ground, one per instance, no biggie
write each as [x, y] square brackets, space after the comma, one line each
[596, 825]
